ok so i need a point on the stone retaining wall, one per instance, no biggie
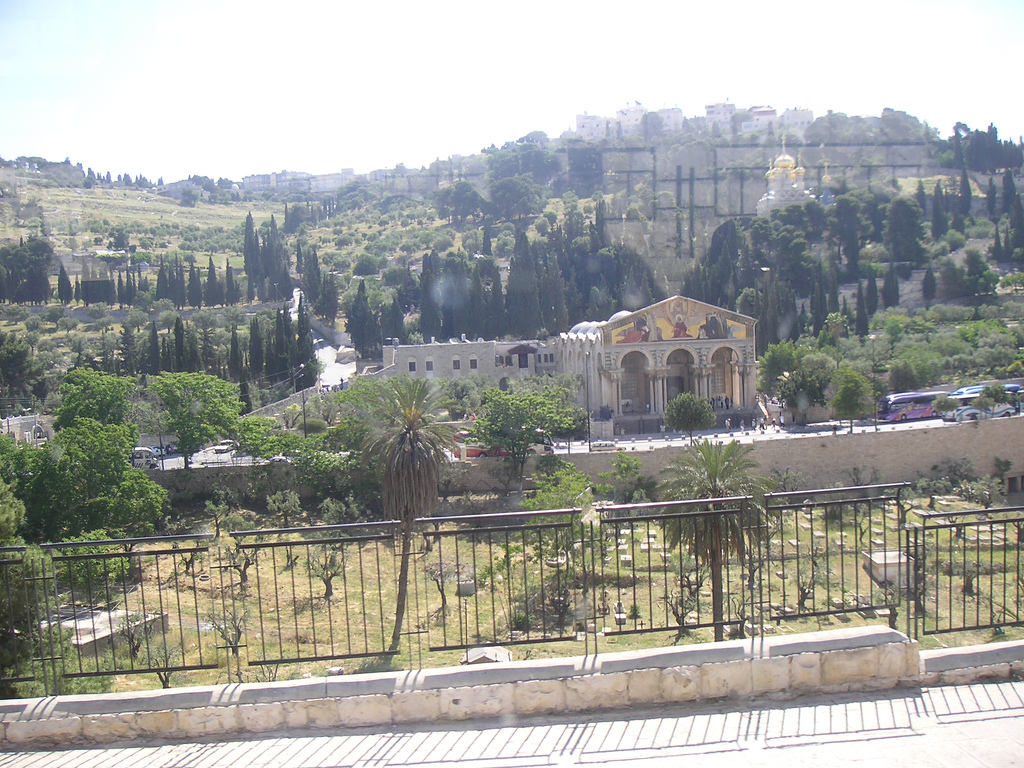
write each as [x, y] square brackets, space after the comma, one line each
[865, 658]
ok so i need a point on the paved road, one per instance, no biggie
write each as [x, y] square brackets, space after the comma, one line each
[962, 726]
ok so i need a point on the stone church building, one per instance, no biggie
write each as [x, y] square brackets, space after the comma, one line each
[634, 363]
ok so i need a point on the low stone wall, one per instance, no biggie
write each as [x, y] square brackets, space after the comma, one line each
[841, 660]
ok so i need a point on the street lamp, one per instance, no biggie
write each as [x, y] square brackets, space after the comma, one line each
[589, 441]
[874, 382]
[295, 373]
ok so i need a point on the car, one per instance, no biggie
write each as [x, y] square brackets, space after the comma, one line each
[280, 459]
[603, 445]
[224, 446]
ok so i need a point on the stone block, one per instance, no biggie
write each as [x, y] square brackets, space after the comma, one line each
[769, 675]
[974, 674]
[359, 711]
[284, 690]
[532, 697]
[852, 666]
[644, 686]
[832, 640]
[892, 661]
[805, 671]
[157, 723]
[207, 721]
[294, 713]
[322, 713]
[261, 718]
[473, 702]
[361, 685]
[681, 684]
[596, 692]
[101, 728]
[684, 656]
[416, 706]
[913, 651]
[975, 656]
[52, 730]
[729, 679]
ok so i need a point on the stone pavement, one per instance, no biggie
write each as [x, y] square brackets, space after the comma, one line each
[964, 726]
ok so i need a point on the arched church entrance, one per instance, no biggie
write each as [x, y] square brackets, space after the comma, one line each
[724, 379]
[679, 378]
[636, 384]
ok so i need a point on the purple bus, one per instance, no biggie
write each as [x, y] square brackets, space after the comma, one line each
[903, 406]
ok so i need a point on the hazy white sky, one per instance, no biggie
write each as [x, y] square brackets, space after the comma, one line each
[232, 87]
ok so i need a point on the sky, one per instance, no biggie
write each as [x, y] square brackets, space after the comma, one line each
[169, 88]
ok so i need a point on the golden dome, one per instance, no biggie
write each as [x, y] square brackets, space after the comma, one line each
[785, 161]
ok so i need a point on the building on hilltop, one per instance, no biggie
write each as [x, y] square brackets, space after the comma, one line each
[720, 114]
[786, 185]
[796, 121]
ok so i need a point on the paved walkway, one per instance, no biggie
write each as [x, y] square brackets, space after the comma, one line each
[962, 726]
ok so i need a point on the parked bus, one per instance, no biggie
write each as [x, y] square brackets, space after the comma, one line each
[904, 406]
[968, 411]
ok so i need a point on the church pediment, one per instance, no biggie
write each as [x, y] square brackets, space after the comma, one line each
[677, 318]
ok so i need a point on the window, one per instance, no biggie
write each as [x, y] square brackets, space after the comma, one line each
[430, 365]
[524, 361]
[412, 366]
[472, 363]
[456, 365]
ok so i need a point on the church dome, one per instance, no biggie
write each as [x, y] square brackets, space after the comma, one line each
[785, 161]
[619, 315]
[584, 328]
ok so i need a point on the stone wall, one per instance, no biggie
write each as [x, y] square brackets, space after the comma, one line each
[840, 660]
[865, 659]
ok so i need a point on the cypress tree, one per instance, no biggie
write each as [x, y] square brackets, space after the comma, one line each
[234, 357]
[523, 303]
[255, 349]
[997, 248]
[179, 345]
[990, 198]
[64, 290]
[153, 351]
[1009, 190]
[928, 286]
[921, 196]
[861, 321]
[243, 394]
[1016, 225]
[361, 323]
[430, 311]
[871, 299]
[231, 293]
[120, 291]
[213, 295]
[940, 223]
[311, 278]
[964, 206]
[195, 288]
[485, 248]
[78, 290]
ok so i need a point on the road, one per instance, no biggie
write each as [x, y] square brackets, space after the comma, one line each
[652, 442]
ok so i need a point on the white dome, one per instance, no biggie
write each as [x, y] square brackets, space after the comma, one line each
[583, 328]
[619, 315]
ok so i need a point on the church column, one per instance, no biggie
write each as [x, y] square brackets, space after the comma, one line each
[750, 381]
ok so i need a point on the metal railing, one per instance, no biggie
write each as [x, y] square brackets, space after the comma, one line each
[246, 603]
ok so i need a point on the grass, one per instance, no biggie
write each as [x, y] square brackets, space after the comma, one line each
[516, 574]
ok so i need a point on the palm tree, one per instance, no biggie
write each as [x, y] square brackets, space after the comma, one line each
[711, 471]
[410, 445]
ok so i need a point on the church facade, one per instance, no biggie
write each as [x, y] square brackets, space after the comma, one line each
[634, 363]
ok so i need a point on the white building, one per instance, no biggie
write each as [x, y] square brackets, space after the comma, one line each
[720, 114]
[761, 119]
[796, 120]
[455, 358]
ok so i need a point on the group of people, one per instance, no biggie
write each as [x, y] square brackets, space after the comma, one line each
[719, 403]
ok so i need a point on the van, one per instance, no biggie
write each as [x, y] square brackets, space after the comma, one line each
[143, 458]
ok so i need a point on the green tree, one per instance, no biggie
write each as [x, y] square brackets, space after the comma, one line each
[861, 318]
[64, 290]
[89, 394]
[928, 286]
[853, 398]
[687, 412]
[964, 201]
[515, 421]
[903, 231]
[711, 471]
[199, 408]
[807, 384]
[410, 444]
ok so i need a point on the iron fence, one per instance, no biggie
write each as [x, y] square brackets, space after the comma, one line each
[962, 571]
[247, 602]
